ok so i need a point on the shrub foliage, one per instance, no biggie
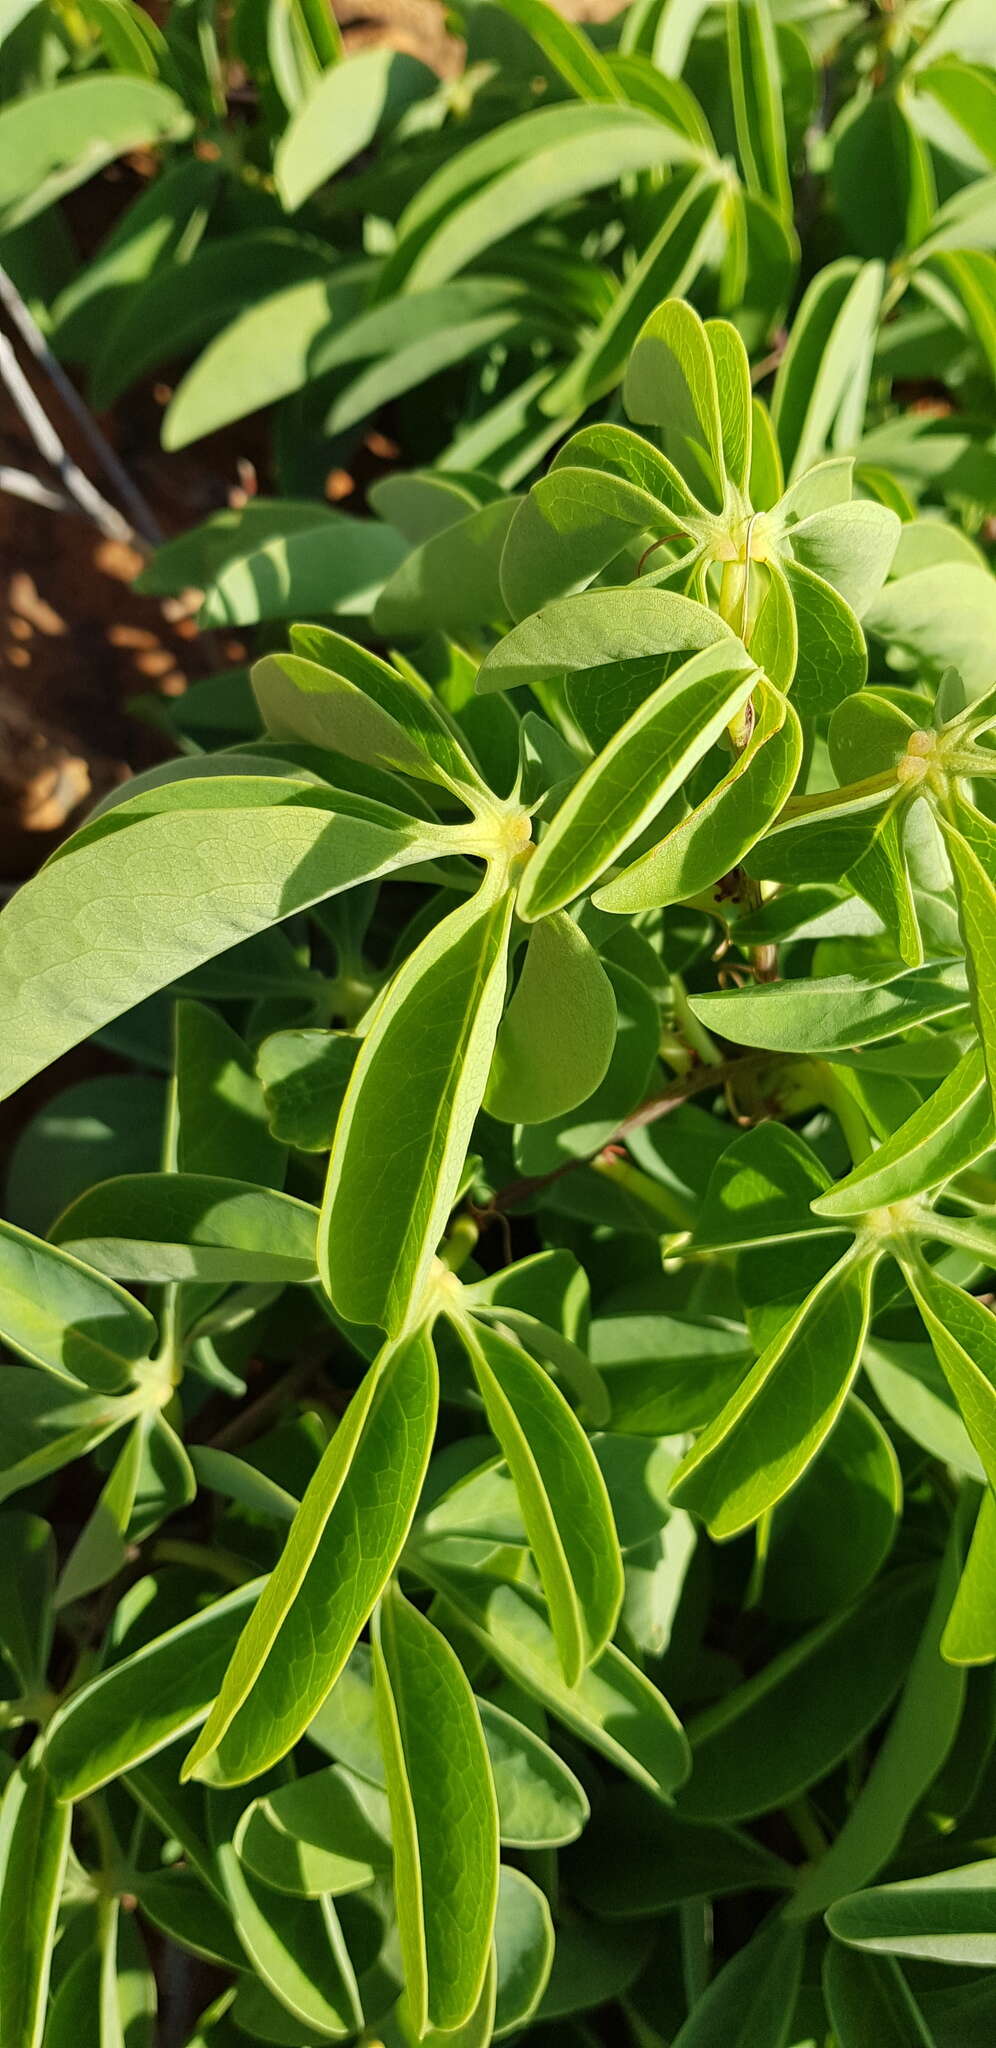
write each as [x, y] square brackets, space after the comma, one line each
[499, 1434]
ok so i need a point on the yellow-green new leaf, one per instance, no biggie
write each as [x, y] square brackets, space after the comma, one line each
[402, 1136]
[726, 824]
[775, 1422]
[631, 780]
[444, 1815]
[954, 1126]
[562, 1494]
[671, 384]
[343, 1544]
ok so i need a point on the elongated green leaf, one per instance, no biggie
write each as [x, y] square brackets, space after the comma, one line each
[262, 355]
[869, 1999]
[756, 90]
[627, 785]
[61, 1314]
[947, 1918]
[671, 383]
[34, 1844]
[775, 1422]
[614, 1708]
[751, 2003]
[833, 1014]
[573, 523]
[340, 696]
[333, 564]
[444, 1816]
[585, 636]
[541, 1804]
[345, 109]
[722, 828]
[963, 1335]
[567, 48]
[635, 1861]
[829, 354]
[341, 1549]
[534, 163]
[145, 906]
[565, 1505]
[972, 853]
[47, 1423]
[666, 268]
[182, 1908]
[134, 1709]
[970, 1634]
[451, 583]
[191, 1226]
[951, 1129]
[792, 1722]
[556, 1037]
[420, 1077]
[915, 1747]
[51, 141]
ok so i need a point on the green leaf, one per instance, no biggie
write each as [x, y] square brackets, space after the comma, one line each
[828, 357]
[541, 1804]
[613, 1707]
[339, 696]
[161, 228]
[60, 1314]
[567, 48]
[27, 1583]
[342, 1547]
[867, 1999]
[970, 1634]
[761, 1191]
[221, 1116]
[34, 1845]
[972, 853]
[47, 1423]
[628, 783]
[947, 1918]
[262, 355]
[854, 1487]
[756, 88]
[963, 1335]
[181, 1907]
[667, 268]
[146, 905]
[671, 384]
[136, 1707]
[953, 1127]
[775, 1422]
[322, 1833]
[943, 616]
[181, 305]
[637, 1862]
[191, 1226]
[912, 1753]
[526, 167]
[831, 1015]
[787, 1726]
[557, 1035]
[422, 1071]
[348, 105]
[583, 637]
[304, 1075]
[444, 1816]
[296, 1946]
[562, 1494]
[51, 141]
[723, 827]
[832, 660]
[100, 1550]
[751, 2003]
[451, 583]
[334, 564]
[524, 1946]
